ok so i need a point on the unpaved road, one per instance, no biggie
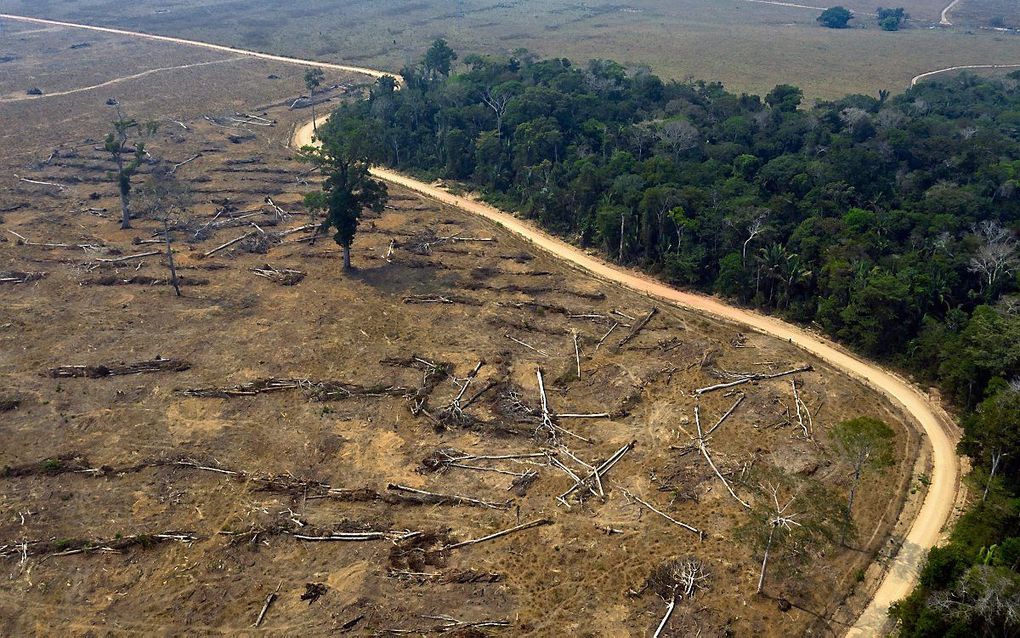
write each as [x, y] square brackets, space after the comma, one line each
[944, 20]
[940, 499]
[136, 76]
[918, 78]
[205, 45]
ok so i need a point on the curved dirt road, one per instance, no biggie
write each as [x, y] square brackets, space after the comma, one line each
[944, 18]
[205, 45]
[136, 76]
[940, 499]
[918, 78]
[938, 503]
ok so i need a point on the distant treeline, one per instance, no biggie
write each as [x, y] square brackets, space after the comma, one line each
[889, 222]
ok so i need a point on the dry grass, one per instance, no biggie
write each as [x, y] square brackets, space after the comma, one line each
[748, 46]
[566, 578]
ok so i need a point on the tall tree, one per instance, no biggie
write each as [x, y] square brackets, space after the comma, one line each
[992, 436]
[117, 146]
[344, 155]
[167, 199]
[438, 59]
[313, 80]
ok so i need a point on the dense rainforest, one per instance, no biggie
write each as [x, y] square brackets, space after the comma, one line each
[889, 223]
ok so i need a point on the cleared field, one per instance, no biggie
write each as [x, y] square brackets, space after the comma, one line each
[108, 464]
[987, 13]
[748, 46]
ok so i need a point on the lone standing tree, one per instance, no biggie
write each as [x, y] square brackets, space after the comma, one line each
[344, 156]
[835, 17]
[117, 146]
[313, 79]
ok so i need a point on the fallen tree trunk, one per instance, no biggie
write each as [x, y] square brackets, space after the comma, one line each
[99, 371]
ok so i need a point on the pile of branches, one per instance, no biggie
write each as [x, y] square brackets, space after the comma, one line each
[65, 464]
[423, 243]
[142, 280]
[16, 277]
[116, 545]
[315, 390]
[284, 277]
[417, 553]
[441, 299]
[158, 364]
[260, 243]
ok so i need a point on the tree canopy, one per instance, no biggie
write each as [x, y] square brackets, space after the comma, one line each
[836, 17]
[343, 158]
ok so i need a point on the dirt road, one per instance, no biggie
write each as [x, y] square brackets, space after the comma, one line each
[136, 76]
[944, 19]
[918, 78]
[205, 45]
[938, 503]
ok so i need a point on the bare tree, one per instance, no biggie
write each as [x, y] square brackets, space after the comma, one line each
[679, 136]
[984, 592]
[677, 580]
[779, 522]
[313, 79]
[165, 198]
[117, 145]
[755, 226]
[997, 254]
[497, 100]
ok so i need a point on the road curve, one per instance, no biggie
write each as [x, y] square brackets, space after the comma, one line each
[205, 45]
[938, 504]
[135, 76]
[941, 497]
[944, 18]
[918, 78]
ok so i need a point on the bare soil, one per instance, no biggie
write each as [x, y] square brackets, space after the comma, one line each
[109, 462]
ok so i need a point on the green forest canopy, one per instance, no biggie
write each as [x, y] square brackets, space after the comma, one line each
[889, 223]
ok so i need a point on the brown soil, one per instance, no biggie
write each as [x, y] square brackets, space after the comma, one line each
[144, 436]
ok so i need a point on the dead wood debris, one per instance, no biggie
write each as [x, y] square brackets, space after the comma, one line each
[17, 277]
[441, 299]
[117, 369]
[284, 277]
[517, 528]
[637, 328]
[460, 577]
[675, 581]
[746, 377]
[462, 627]
[314, 591]
[416, 553]
[424, 242]
[67, 464]
[116, 545]
[315, 390]
[433, 498]
[142, 280]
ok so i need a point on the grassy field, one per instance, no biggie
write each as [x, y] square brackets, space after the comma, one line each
[987, 13]
[748, 46]
[105, 465]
